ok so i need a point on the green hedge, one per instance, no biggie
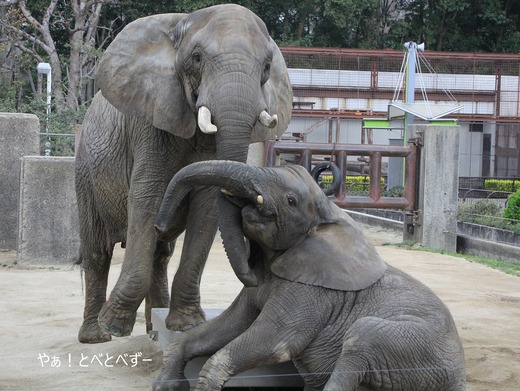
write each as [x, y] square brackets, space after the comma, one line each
[355, 183]
[509, 185]
[512, 210]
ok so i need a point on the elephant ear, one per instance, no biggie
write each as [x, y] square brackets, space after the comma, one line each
[137, 75]
[336, 256]
[278, 96]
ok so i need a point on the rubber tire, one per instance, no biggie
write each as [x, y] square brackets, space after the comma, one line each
[336, 176]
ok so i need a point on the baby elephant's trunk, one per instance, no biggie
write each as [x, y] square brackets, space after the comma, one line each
[233, 177]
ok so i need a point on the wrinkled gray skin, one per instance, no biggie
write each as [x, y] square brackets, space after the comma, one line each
[142, 128]
[325, 299]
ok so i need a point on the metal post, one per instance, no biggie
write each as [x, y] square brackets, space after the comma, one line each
[409, 93]
[45, 68]
[411, 63]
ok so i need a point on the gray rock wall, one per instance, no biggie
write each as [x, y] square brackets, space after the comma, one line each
[49, 226]
[19, 136]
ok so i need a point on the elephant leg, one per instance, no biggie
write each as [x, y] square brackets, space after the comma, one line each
[204, 340]
[279, 333]
[159, 295]
[96, 277]
[201, 227]
[95, 256]
[390, 354]
[118, 314]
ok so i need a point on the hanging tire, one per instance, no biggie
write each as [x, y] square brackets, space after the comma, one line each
[336, 176]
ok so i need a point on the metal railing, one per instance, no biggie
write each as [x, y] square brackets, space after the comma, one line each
[339, 155]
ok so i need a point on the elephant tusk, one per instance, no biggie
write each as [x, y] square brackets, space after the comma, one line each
[204, 120]
[226, 192]
[267, 120]
[259, 198]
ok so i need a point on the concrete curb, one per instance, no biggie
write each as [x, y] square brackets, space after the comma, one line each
[485, 248]
[465, 244]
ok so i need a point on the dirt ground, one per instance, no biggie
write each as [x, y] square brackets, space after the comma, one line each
[41, 311]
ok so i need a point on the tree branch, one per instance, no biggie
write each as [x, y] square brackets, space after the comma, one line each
[28, 37]
[28, 51]
[27, 15]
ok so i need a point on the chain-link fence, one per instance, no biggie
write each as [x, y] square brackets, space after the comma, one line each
[350, 84]
[487, 85]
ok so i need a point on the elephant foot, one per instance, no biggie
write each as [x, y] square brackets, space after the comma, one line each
[117, 322]
[91, 332]
[165, 384]
[185, 319]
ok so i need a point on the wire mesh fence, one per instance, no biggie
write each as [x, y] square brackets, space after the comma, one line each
[57, 144]
[487, 85]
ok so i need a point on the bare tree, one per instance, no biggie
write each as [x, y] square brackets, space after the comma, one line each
[38, 37]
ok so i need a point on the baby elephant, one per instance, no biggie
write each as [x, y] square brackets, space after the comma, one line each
[324, 299]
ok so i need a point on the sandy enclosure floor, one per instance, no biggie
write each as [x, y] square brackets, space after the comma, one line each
[41, 312]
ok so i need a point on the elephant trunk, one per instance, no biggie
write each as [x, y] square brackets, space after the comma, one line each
[231, 107]
[235, 115]
[235, 177]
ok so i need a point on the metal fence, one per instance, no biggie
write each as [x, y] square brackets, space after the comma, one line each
[57, 144]
[350, 84]
[307, 154]
[487, 85]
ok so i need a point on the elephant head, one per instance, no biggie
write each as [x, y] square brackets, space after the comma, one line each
[286, 213]
[215, 70]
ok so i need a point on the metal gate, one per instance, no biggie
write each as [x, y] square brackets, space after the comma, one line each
[307, 155]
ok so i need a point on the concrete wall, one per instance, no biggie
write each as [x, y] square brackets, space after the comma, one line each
[49, 226]
[438, 188]
[19, 136]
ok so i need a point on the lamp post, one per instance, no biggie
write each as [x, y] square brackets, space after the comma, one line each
[46, 69]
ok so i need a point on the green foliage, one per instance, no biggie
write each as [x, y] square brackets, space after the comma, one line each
[512, 210]
[356, 184]
[8, 98]
[459, 25]
[456, 25]
[486, 212]
[396, 191]
[508, 185]
[57, 122]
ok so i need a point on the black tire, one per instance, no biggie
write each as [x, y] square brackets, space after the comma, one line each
[336, 176]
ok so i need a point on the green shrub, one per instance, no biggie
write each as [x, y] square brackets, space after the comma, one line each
[486, 212]
[509, 185]
[396, 191]
[512, 210]
[356, 184]
[482, 212]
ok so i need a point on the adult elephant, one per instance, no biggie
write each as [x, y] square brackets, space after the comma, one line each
[175, 89]
[325, 299]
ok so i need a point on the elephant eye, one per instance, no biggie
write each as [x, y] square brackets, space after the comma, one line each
[292, 200]
[196, 57]
[266, 73]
